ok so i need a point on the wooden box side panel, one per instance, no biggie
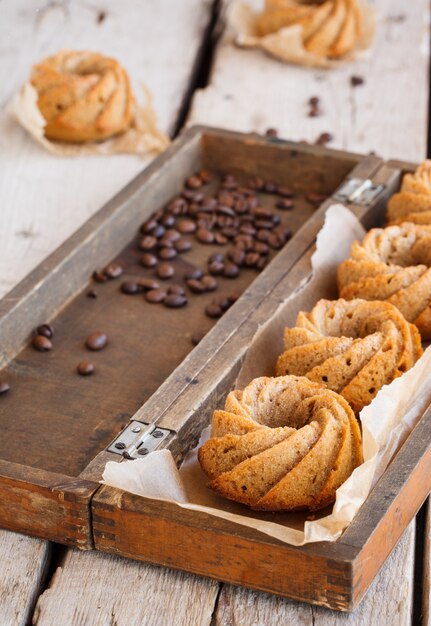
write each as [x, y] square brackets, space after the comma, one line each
[166, 534]
[46, 505]
[391, 506]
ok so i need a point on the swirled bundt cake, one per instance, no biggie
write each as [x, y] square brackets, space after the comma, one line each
[353, 347]
[83, 96]
[392, 264]
[413, 202]
[331, 28]
[282, 444]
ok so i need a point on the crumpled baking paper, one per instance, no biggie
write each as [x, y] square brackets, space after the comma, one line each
[286, 44]
[142, 138]
[386, 422]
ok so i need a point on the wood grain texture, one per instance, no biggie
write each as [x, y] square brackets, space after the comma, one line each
[250, 91]
[388, 602]
[101, 590]
[46, 198]
[24, 562]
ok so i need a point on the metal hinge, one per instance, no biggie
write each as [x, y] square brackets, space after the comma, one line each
[358, 191]
[138, 439]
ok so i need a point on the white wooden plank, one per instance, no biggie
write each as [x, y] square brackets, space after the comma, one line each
[389, 600]
[101, 590]
[23, 563]
[250, 91]
[45, 198]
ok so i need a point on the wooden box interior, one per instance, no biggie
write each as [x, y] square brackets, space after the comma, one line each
[56, 421]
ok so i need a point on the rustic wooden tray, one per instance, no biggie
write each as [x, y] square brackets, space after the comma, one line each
[57, 428]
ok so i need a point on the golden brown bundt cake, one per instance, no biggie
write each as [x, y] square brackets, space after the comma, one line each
[392, 264]
[282, 444]
[83, 96]
[413, 202]
[329, 29]
[353, 347]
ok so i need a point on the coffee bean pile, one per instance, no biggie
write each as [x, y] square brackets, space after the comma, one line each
[231, 217]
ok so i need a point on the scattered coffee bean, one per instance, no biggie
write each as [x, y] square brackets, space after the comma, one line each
[355, 81]
[85, 368]
[131, 289]
[285, 204]
[197, 337]
[323, 139]
[92, 293]
[176, 289]
[159, 231]
[234, 296]
[113, 270]
[99, 276]
[148, 226]
[186, 227]
[285, 192]
[46, 330]
[271, 132]
[196, 286]
[154, 296]
[261, 248]
[204, 236]
[263, 235]
[149, 283]
[269, 188]
[213, 310]
[175, 301]
[220, 239]
[41, 343]
[231, 270]
[224, 303]
[172, 235]
[251, 259]
[315, 110]
[149, 260]
[276, 241]
[194, 182]
[165, 271]
[183, 245]
[216, 268]
[168, 221]
[209, 282]
[167, 253]
[314, 101]
[315, 199]
[205, 176]
[148, 243]
[216, 257]
[96, 341]
[4, 387]
[236, 255]
[193, 273]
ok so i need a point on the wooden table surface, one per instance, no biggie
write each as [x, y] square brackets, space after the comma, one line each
[44, 199]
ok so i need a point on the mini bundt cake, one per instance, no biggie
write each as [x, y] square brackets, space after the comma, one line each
[329, 29]
[282, 444]
[83, 96]
[392, 264]
[413, 202]
[353, 347]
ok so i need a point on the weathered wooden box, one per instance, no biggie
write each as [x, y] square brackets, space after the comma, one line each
[57, 428]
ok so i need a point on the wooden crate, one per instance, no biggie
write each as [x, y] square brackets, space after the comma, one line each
[57, 427]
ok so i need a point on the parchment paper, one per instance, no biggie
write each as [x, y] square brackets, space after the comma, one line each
[143, 137]
[386, 422]
[286, 44]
